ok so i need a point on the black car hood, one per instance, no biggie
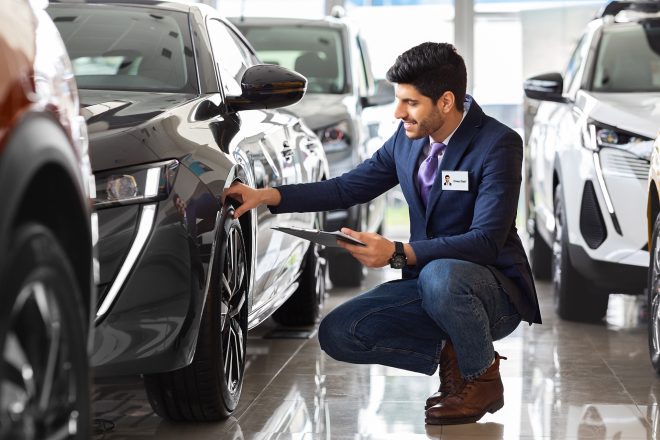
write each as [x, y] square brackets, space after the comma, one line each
[320, 110]
[119, 123]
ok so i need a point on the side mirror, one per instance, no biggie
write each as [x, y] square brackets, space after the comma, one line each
[384, 94]
[268, 86]
[546, 87]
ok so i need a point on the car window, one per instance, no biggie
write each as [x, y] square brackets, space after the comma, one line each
[314, 51]
[121, 48]
[628, 59]
[362, 68]
[232, 57]
[574, 64]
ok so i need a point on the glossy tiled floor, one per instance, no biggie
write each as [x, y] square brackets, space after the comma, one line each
[562, 381]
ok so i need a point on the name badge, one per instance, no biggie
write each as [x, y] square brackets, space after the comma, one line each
[454, 180]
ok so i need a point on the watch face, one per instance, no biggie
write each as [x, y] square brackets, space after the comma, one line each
[398, 262]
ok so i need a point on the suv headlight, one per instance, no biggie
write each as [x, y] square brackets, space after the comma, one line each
[599, 135]
[139, 184]
[335, 137]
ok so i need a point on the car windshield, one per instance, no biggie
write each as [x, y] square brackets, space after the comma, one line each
[127, 48]
[628, 59]
[310, 50]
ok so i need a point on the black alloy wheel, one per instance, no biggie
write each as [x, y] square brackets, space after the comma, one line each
[233, 315]
[210, 387]
[574, 298]
[304, 306]
[654, 298]
[44, 374]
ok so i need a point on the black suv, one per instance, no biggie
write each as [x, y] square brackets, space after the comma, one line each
[333, 56]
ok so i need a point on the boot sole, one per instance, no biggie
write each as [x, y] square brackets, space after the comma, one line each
[496, 406]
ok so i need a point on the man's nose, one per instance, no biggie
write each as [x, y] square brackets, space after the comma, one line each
[399, 111]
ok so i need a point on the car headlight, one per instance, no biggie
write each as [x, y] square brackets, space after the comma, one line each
[336, 137]
[139, 184]
[599, 135]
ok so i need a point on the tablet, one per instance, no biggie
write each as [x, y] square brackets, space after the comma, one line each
[321, 237]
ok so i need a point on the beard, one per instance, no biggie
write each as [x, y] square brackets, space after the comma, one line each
[426, 126]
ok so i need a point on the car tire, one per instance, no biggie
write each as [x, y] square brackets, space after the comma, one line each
[540, 256]
[210, 387]
[654, 298]
[304, 306]
[574, 298]
[344, 269]
[43, 331]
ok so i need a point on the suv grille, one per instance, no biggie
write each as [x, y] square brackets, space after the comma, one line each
[618, 163]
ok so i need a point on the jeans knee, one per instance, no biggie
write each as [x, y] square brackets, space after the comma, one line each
[439, 282]
[332, 336]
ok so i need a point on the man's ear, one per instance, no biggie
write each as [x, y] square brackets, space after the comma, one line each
[446, 102]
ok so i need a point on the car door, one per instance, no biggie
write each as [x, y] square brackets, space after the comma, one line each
[263, 138]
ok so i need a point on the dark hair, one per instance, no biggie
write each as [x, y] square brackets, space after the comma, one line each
[433, 69]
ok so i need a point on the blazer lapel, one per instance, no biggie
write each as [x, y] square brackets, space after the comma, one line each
[458, 145]
[411, 173]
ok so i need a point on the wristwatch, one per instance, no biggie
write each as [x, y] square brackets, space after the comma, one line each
[398, 260]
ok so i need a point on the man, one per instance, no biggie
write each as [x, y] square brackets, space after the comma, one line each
[447, 180]
[466, 279]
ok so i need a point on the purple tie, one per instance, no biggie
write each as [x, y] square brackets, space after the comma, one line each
[428, 170]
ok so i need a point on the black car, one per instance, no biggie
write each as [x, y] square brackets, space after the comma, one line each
[46, 239]
[177, 110]
[333, 56]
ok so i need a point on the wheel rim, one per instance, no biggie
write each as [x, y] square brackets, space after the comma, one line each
[556, 250]
[655, 298]
[319, 268]
[319, 274]
[38, 390]
[234, 313]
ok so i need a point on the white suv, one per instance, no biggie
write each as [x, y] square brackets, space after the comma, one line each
[587, 161]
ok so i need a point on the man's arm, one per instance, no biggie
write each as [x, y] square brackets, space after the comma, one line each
[368, 180]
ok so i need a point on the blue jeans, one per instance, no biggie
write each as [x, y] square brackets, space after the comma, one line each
[403, 323]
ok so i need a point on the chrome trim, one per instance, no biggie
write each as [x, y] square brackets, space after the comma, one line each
[147, 217]
[606, 193]
[601, 182]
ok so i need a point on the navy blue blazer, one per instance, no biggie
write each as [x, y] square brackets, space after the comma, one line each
[477, 225]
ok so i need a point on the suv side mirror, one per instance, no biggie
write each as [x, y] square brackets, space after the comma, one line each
[546, 87]
[384, 94]
[266, 86]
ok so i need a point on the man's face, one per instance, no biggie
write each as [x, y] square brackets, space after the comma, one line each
[420, 116]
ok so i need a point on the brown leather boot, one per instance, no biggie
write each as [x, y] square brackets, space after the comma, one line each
[476, 398]
[451, 380]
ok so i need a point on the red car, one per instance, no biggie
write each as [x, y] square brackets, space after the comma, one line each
[46, 233]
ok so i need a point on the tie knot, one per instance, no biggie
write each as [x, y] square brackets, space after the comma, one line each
[436, 148]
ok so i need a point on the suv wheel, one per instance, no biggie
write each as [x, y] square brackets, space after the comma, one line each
[209, 388]
[304, 306]
[575, 299]
[44, 374]
[540, 255]
[654, 298]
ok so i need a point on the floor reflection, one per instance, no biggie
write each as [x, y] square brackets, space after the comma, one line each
[562, 381]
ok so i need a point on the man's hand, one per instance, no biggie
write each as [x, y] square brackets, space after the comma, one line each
[250, 198]
[378, 249]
